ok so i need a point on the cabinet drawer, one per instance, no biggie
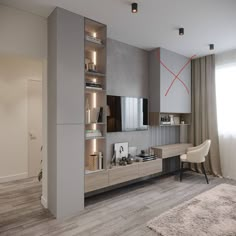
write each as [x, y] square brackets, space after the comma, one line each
[96, 181]
[121, 174]
[150, 167]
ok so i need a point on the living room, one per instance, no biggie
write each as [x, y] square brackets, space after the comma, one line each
[134, 117]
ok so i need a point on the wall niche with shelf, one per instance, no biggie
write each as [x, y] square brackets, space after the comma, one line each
[95, 96]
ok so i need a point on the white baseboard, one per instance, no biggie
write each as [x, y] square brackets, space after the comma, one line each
[8, 178]
[44, 202]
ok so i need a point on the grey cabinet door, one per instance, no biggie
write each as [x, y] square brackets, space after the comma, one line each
[168, 93]
[175, 92]
[70, 68]
[70, 169]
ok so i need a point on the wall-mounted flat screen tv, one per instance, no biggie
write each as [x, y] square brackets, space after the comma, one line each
[126, 113]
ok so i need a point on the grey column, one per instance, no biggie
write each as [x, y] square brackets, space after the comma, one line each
[65, 113]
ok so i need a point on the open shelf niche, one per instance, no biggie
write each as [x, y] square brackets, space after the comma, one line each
[95, 96]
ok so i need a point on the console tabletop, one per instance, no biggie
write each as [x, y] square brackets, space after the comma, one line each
[171, 150]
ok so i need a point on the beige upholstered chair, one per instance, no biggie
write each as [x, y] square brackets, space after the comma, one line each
[196, 155]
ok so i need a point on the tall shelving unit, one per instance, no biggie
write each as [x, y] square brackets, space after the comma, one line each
[95, 96]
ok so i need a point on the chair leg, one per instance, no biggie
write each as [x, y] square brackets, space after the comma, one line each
[203, 169]
[181, 171]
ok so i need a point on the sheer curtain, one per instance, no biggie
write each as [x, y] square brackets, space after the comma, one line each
[226, 112]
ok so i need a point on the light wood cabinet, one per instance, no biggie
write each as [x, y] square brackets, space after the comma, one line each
[96, 181]
[150, 167]
[123, 173]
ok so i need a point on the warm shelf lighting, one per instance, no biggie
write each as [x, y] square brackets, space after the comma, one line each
[94, 96]
[95, 58]
[134, 7]
[94, 125]
[94, 146]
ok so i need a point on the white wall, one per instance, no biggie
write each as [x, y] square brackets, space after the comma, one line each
[23, 43]
[14, 75]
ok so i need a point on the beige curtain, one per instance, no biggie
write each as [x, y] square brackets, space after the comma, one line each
[204, 116]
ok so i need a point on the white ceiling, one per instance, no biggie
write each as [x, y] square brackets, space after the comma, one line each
[157, 22]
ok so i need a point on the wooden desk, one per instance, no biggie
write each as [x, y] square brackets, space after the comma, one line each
[171, 150]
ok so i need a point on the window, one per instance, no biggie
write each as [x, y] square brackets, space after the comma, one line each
[226, 99]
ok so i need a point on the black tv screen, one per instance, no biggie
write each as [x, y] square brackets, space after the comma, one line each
[126, 113]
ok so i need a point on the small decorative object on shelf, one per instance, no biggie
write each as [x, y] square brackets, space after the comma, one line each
[171, 117]
[176, 120]
[88, 112]
[126, 161]
[165, 120]
[182, 120]
[121, 150]
[100, 160]
[87, 61]
[93, 162]
[100, 115]
[91, 67]
[113, 160]
[96, 115]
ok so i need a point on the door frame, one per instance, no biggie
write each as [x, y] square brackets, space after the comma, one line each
[28, 130]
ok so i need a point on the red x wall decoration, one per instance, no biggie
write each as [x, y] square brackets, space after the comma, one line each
[176, 76]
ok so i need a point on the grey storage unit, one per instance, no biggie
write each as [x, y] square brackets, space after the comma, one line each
[65, 113]
[178, 98]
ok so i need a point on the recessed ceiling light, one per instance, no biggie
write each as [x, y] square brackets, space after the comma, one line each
[211, 46]
[134, 7]
[181, 31]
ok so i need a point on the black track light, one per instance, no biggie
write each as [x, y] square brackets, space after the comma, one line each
[134, 7]
[181, 31]
[211, 46]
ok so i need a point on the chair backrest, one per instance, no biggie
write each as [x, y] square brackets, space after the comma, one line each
[206, 147]
[199, 153]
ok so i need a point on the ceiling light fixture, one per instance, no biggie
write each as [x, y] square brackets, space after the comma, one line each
[134, 7]
[211, 46]
[181, 31]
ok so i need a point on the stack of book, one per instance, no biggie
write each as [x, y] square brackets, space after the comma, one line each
[93, 85]
[93, 39]
[93, 133]
[147, 157]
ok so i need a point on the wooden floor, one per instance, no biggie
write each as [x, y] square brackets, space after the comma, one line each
[123, 211]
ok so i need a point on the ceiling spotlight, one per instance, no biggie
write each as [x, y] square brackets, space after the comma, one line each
[181, 31]
[134, 7]
[211, 46]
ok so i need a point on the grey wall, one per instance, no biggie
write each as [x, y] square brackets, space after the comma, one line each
[127, 75]
[127, 70]
[163, 135]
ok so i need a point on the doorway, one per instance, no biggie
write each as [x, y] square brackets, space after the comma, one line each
[21, 117]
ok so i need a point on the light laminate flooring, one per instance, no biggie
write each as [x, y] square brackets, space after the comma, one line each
[123, 211]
